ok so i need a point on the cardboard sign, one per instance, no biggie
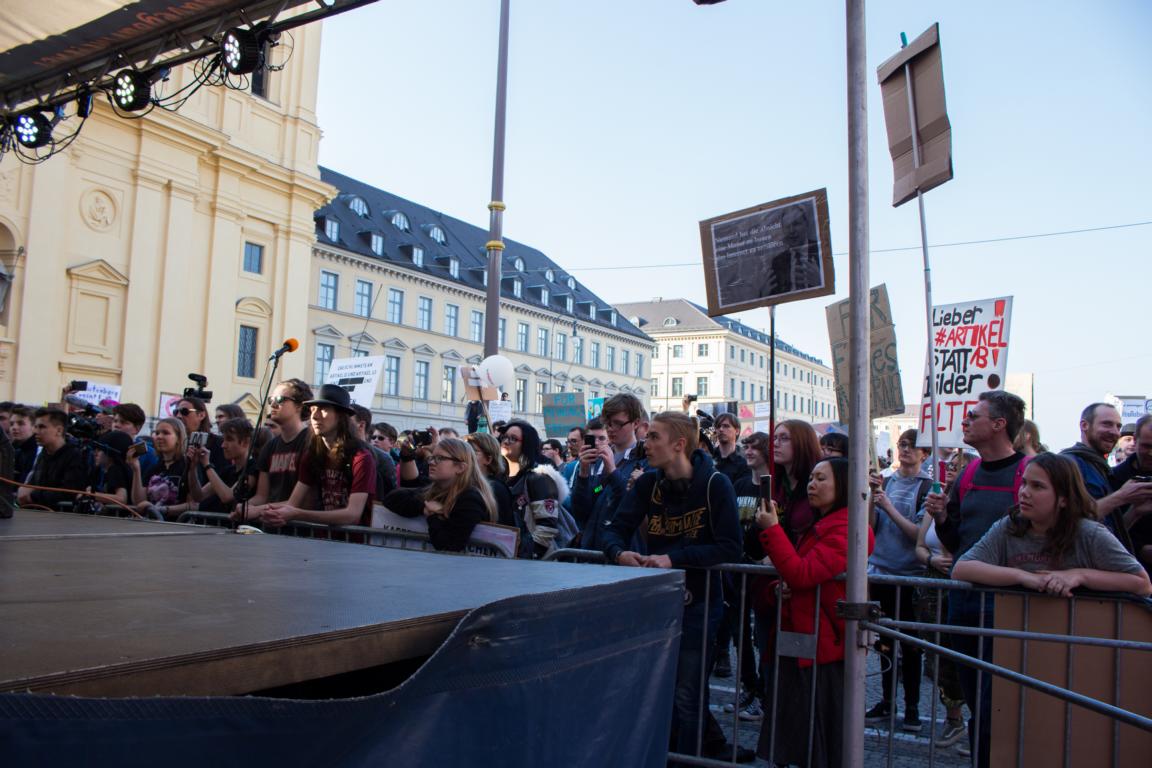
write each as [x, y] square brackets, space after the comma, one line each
[1131, 408]
[770, 254]
[932, 127]
[357, 375]
[97, 392]
[499, 410]
[563, 412]
[472, 388]
[970, 345]
[886, 391]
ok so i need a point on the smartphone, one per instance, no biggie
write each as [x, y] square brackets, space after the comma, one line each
[421, 438]
[136, 449]
[766, 488]
[589, 441]
[1142, 478]
[198, 438]
[77, 386]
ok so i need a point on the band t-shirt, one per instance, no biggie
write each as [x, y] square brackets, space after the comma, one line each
[336, 486]
[281, 460]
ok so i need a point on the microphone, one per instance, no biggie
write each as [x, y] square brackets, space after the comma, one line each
[289, 345]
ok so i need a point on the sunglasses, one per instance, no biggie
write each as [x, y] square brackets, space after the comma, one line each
[280, 399]
[379, 437]
[186, 411]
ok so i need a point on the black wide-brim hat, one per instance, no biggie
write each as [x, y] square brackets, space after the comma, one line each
[334, 395]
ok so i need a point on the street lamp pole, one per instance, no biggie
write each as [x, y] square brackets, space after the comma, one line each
[495, 243]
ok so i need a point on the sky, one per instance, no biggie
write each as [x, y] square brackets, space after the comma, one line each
[630, 122]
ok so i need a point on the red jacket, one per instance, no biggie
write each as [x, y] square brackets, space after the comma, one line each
[820, 556]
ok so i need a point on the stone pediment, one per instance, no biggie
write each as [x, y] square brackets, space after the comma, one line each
[395, 343]
[363, 339]
[543, 372]
[423, 349]
[98, 271]
[475, 360]
[451, 354]
[523, 368]
[327, 331]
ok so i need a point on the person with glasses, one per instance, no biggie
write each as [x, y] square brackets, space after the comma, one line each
[537, 490]
[984, 493]
[337, 471]
[493, 466]
[279, 462]
[456, 498]
[894, 513]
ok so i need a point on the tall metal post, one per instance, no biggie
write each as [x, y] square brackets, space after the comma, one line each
[858, 384]
[771, 375]
[495, 243]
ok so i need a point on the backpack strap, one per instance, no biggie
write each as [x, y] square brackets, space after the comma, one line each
[966, 478]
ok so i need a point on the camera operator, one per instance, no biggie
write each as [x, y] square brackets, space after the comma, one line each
[60, 463]
[279, 462]
[129, 418]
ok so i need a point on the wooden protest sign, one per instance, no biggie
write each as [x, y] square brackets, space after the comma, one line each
[970, 344]
[472, 388]
[886, 391]
[769, 254]
[563, 412]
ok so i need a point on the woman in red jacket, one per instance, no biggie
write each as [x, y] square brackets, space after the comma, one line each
[808, 567]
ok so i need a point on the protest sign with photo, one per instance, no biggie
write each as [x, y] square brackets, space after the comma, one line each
[887, 393]
[563, 412]
[358, 375]
[769, 254]
[970, 345]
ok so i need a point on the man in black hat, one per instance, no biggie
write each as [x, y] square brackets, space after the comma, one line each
[337, 466]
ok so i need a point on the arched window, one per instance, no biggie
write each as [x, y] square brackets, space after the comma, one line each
[358, 206]
[518, 264]
[400, 221]
[437, 234]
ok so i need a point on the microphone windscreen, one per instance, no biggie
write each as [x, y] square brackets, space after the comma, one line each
[292, 344]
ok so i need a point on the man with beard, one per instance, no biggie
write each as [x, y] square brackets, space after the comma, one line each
[1099, 431]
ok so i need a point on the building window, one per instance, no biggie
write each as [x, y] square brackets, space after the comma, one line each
[610, 358]
[502, 333]
[377, 244]
[595, 354]
[521, 394]
[732, 388]
[572, 283]
[448, 384]
[761, 391]
[741, 355]
[677, 386]
[324, 353]
[517, 288]
[578, 350]
[743, 390]
[591, 310]
[625, 361]
[359, 353]
[549, 275]
[392, 375]
[363, 298]
[639, 366]
[253, 258]
[654, 387]
[451, 319]
[762, 362]
[731, 352]
[568, 304]
[420, 384]
[541, 390]
[518, 264]
[656, 352]
[246, 352]
[400, 221]
[544, 296]
[332, 229]
[701, 350]
[612, 317]
[358, 206]
[521, 337]
[424, 313]
[417, 256]
[702, 386]
[477, 326]
[562, 347]
[437, 234]
[542, 342]
[454, 267]
[395, 306]
[329, 283]
[677, 350]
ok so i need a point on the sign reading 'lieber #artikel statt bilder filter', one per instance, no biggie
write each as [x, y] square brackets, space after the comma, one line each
[970, 344]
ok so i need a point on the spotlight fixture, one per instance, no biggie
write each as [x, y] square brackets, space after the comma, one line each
[32, 129]
[132, 90]
[240, 51]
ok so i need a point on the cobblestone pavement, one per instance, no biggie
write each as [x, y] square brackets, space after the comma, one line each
[909, 750]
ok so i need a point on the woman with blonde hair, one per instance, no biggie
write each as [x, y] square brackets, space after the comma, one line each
[162, 491]
[455, 500]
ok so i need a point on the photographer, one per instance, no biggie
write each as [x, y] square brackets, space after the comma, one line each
[194, 413]
[415, 447]
[219, 493]
[162, 492]
[129, 418]
[60, 463]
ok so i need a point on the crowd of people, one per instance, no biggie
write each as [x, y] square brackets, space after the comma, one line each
[663, 491]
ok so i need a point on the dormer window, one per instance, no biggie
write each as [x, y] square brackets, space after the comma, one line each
[377, 244]
[592, 311]
[670, 321]
[454, 267]
[358, 206]
[572, 282]
[517, 288]
[437, 234]
[485, 273]
[568, 304]
[612, 317]
[544, 296]
[417, 254]
[549, 275]
[332, 229]
[518, 264]
[400, 221]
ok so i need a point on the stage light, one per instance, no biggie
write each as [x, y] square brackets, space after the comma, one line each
[32, 129]
[132, 90]
[240, 51]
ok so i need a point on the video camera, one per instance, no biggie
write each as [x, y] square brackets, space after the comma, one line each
[198, 391]
[83, 425]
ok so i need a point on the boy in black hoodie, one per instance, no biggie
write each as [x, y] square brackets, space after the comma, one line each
[692, 523]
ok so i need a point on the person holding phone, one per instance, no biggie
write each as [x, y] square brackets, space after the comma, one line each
[162, 492]
[218, 494]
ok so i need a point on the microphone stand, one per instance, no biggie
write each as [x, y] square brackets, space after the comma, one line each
[249, 460]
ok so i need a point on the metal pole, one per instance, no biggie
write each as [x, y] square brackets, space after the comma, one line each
[858, 386]
[771, 371]
[495, 244]
[927, 273]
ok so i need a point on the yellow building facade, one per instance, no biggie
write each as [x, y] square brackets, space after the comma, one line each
[127, 251]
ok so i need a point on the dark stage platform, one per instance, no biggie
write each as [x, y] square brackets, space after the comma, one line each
[105, 607]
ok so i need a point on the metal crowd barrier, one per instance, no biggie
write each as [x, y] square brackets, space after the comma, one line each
[1022, 734]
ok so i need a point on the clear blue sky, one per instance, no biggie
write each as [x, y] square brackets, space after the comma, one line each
[629, 122]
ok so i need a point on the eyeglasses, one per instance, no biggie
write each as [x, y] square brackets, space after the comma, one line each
[379, 437]
[279, 399]
[614, 424]
[186, 411]
[904, 446]
[436, 458]
[509, 439]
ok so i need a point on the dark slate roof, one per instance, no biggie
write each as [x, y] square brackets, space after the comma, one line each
[463, 241]
[651, 316]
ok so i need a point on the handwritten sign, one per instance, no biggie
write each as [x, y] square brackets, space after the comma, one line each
[499, 411]
[970, 348]
[97, 392]
[886, 391]
[358, 375]
[563, 412]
